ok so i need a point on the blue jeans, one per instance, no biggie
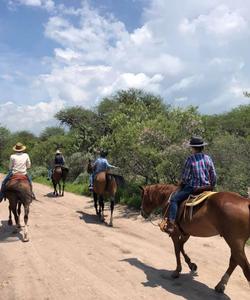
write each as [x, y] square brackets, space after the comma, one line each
[91, 179]
[176, 200]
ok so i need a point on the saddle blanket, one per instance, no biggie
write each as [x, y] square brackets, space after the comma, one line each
[18, 176]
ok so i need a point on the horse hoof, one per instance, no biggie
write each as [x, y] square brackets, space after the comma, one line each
[10, 223]
[25, 239]
[175, 274]
[193, 267]
[220, 288]
[110, 224]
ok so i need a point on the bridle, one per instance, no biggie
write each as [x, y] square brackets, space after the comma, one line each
[165, 214]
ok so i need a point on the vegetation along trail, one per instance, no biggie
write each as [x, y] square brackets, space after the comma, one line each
[72, 256]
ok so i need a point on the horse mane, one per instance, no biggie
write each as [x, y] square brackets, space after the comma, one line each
[159, 193]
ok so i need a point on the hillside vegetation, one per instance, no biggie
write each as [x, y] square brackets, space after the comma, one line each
[145, 137]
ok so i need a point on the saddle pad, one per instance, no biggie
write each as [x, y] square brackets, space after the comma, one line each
[18, 177]
[195, 200]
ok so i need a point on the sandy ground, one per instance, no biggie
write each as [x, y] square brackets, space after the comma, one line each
[72, 256]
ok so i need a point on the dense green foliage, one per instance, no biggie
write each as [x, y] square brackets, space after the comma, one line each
[145, 137]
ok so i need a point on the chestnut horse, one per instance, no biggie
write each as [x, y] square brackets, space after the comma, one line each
[18, 192]
[105, 186]
[59, 174]
[224, 213]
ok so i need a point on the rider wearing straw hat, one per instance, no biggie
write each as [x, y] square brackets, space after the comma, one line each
[19, 163]
[198, 174]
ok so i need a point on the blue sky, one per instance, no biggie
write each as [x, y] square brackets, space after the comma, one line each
[54, 54]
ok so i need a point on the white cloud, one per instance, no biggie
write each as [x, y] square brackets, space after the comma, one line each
[28, 117]
[221, 21]
[46, 4]
[191, 52]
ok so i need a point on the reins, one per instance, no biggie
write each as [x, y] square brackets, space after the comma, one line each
[166, 211]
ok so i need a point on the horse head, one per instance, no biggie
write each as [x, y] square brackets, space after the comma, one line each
[154, 196]
[90, 167]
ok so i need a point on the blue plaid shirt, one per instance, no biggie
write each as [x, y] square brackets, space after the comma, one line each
[199, 171]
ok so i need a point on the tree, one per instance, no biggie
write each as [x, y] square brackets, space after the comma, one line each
[51, 131]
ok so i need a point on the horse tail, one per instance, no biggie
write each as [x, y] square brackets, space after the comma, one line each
[65, 172]
[120, 181]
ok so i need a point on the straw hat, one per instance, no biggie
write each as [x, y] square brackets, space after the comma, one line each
[19, 147]
[58, 151]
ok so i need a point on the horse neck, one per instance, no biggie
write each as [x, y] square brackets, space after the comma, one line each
[164, 194]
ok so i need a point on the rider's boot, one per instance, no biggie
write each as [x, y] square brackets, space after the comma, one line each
[170, 227]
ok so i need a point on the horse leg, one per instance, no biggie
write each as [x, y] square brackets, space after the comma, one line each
[112, 205]
[220, 287]
[177, 249]
[10, 223]
[55, 191]
[26, 216]
[192, 266]
[95, 203]
[238, 257]
[60, 188]
[101, 205]
[19, 213]
[14, 211]
[63, 186]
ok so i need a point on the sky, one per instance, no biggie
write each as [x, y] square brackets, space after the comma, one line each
[60, 53]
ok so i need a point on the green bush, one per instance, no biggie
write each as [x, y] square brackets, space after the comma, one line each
[36, 172]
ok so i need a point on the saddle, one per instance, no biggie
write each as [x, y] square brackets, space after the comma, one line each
[187, 205]
[18, 177]
[194, 200]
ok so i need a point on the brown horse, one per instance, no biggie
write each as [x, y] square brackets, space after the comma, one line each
[59, 174]
[224, 213]
[18, 192]
[105, 186]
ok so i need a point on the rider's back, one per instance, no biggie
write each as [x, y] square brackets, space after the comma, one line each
[101, 165]
[19, 163]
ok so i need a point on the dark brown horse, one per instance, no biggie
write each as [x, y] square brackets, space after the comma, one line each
[105, 186]
[18, 192]
[224, 213]
[59, 175]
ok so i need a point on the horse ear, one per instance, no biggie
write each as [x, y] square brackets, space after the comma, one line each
[141, 188]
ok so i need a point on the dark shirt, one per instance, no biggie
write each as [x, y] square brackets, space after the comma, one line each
[59, 160]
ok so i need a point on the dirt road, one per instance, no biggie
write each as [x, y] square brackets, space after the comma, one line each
[72, 256]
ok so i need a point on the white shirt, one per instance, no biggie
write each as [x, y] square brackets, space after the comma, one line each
[19, 163]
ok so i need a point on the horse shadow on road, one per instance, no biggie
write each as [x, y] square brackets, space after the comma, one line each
[88, 218]
[51, 195]
[7, 235]
[185, 286]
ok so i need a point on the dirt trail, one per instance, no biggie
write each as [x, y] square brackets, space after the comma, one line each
[72, 256]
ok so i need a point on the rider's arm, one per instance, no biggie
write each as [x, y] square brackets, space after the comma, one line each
[186, 171]
[212, 174]
[28, 162]
[11, 164]
[109, 166]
